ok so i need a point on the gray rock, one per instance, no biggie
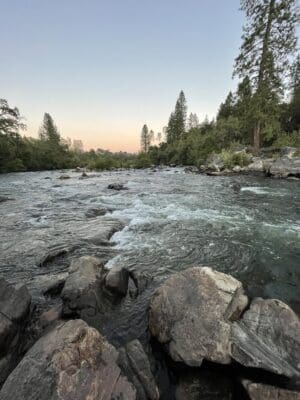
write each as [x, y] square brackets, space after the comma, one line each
[95, 212]
[135, 363]
[215, 163]
[64, 176]
[54, 285]
[116, 280]
[285, 166]
[288, 151]
[268, 337]
[259, 391]
[14, 310]
[192, 312]
[257, 165]
[82, 289]
[191, 169]
[117, 186]
[71, 362]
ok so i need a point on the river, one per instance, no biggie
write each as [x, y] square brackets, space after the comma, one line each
[243, 225]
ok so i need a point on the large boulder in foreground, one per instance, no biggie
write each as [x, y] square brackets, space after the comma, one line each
[71, 362]
[259, 391]
[285, 166]
[14, 310]
[191, 314]
[134, 361]
[82, 290]
[268, 337]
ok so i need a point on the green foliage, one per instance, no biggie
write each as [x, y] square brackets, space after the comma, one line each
[285, 139]
[232, 159]
[177, 121]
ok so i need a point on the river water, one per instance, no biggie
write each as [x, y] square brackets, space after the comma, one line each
[242, 225]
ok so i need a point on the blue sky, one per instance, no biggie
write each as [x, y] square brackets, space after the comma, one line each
[104, 68]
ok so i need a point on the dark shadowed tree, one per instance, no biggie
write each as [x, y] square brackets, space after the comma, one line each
[145, 139]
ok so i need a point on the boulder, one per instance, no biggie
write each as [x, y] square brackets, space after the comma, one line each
[70, 362]
[191, 169]
[135, 363]
[285, 166]
[116, 280]
[257, 165]
[259, 391]
[3, 199]
[14, 310]
[288, 151]
[54, 285]
[117, 186]
[268, 337]
[215, 163]
[64, 176]
[95, 212]
[82, 289]
[191, 314]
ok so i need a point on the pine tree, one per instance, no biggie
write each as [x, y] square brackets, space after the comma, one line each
[177, 121]
[268, 40]
[226, 109]
[145, 139]
[10, 119]
[48, 131]
[193, 121]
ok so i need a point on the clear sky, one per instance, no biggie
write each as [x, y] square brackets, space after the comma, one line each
[104, 68]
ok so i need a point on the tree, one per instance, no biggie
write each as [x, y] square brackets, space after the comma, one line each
[177, 121]
[295, 100]
[226, 109]
[269, 39]
[193, 121]
[145, 139]
[10, 119]
[48, 130]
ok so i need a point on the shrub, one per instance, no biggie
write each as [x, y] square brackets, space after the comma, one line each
[231, 159]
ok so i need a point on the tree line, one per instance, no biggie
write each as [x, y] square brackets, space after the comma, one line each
[265, 108]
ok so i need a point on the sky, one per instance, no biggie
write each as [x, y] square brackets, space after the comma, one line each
[104, 68]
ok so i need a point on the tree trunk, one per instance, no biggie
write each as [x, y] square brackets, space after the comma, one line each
[256, 137]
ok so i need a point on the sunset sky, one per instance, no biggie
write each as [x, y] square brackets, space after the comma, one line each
[104, 68]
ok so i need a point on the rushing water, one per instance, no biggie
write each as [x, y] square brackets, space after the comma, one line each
[172, 220]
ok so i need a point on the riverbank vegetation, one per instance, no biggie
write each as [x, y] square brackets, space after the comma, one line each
[263, 111]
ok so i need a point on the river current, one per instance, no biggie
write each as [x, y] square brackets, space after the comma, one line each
[242, 225]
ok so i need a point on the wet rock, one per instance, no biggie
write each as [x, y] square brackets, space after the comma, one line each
[116, 280]
[259, 391]
[55, 285]
[204, 385]
[49, 317]
[191, 314]
[14, 310]
[257, 165]
[288, 151]
[71, 362]
[191, 169]
[53, 254]
[82, 289]
[64, 176]
[3, 199]
[268, 337]
[95, 212]
[285, 166]
[215, 163]
[135, 363]
[117, 186]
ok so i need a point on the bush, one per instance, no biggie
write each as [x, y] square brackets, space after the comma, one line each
[232, 159]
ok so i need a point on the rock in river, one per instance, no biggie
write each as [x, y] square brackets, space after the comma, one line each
[191, 314]
[116, 280]
[258, 391]
[14, 310]
[285, 166]
[71, 362]
[117, 186]
[82, 289]
[268, 337]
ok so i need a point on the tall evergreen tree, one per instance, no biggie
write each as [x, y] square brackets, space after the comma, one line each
[145, 139]
[295, 100]
[177, 121]
[193, 121]
[226, 109]
[269, 38]
[48, 130]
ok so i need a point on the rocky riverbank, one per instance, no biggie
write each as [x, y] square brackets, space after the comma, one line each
[206, 340]
[283, 163]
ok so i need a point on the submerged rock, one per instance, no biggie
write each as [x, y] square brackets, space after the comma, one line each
[82, 289]
[95, 212]
[191, 314]
[135, 363]
[71, 362]
[268, 337]
[64, 176]
[259, 391]
[117, 186]
[14, 310]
